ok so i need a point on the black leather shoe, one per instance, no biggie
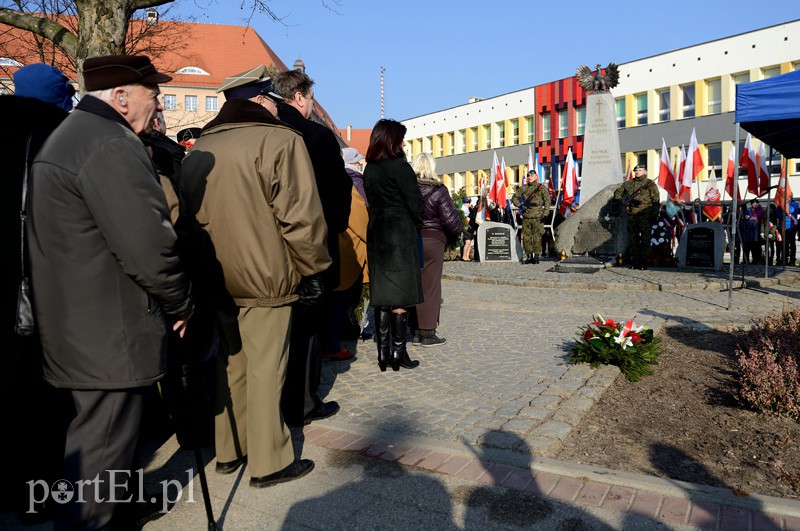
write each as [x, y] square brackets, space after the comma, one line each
[325, 410]
[231, 466]
[295, 470]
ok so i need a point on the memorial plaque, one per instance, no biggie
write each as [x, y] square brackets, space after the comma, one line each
[700, 248]
[601, 161]
[497, 242]
[702, 245]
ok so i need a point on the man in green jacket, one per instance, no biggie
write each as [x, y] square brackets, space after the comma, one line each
[639, 196]
[533, 199]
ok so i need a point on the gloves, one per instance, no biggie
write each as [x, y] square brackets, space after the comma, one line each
[311, 290]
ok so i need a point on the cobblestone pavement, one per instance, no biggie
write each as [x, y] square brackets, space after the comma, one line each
[501, 379]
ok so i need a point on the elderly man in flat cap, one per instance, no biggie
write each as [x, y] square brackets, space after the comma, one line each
[249, 181]
[106, 279]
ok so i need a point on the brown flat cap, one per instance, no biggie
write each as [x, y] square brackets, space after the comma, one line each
[110, 71]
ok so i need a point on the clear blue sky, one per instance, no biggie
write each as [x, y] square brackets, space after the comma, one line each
[439, 53]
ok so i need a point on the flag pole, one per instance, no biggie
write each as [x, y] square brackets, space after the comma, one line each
[734, 217]
[767, 221]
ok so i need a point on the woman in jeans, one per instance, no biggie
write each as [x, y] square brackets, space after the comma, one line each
[395, 218]
[440, 223]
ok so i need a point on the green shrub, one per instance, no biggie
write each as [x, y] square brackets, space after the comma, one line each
[767, 361]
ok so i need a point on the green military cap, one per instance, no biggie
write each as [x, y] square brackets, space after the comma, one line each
[249, 84]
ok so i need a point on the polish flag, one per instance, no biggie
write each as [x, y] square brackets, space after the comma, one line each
[731, 176]
[501, 184]
[665, 176]
[686, 191]
[784, 192]
[495, 178]
[763, 171]
[569, 183]
[694, 163]
[750, 164]
[628, 173]
[712, 211]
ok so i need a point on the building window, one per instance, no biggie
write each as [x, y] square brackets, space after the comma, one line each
[771, 72]
[688, 100]
[474, 139]
[462, 141]
[715, 159]
[744, 77]
[714, 91]
[663, 105]
[546, 126]
[190, 103]
[7, 61]
[515, 132]
[438, 144]
[451, 139]
[619, 109]
[170, 102]
[192, 70]
[212, 104]
[641, 158]
[580, 120]
[487, 136]
[563, 124]
[501, 133]
[530, 131]
[427, 144]
[641, 109]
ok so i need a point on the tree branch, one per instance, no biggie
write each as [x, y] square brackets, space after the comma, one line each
[45, 27]
[143, 4]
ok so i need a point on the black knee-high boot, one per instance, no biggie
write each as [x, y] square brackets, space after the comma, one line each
[384, 337]
[399, 353]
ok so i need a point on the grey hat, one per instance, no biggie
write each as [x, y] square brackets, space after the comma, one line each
[249, 85]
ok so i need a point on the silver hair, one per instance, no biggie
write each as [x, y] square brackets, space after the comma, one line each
[424, 166]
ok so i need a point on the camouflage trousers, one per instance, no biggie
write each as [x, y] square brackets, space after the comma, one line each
[532, 232]
[640, 229]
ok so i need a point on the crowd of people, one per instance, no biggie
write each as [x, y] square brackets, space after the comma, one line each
[247, 251]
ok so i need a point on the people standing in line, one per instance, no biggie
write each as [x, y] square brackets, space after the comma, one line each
[106, 276]
[249, 182]
[533, 200]
[301, 403]
[42, 99]
[790, 228]
[641, 200]
[395, 219]
[440, 223]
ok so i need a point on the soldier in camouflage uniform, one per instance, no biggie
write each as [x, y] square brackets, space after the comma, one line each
[641, 201]
[533, 200]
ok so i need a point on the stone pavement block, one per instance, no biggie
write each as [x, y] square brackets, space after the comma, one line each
[557, 430]
[646, 503]
[542, 483]
[674, 509]
[454, 464]
[378, 448]
[546, 401]
[326, 439]
[618, 499]
[474, 470]
[704, 514]
[496, 473]
[315, 433]
[570, 416]
[592, 493]
[414, 456]
[536, 413]
[342, 442]
[578, 403]
[566, 489]
[517, 478]
[433, 460]
[395, 451]
[735, 519]
[361, 444]
[543, 446]
[766, 522]
[519, 425]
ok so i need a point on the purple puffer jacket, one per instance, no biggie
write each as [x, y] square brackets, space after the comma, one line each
[440, 219]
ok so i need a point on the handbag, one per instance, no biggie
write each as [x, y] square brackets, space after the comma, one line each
[25, 322]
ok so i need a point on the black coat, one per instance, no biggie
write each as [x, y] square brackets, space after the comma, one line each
[395, 219]
[104, 266]
[333, 183]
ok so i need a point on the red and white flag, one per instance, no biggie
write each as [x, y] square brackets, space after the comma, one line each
[686, 191]
[713, 210]
[763, 171]
[496, 178]
[628, 173]
[694, 163]
[750, 164]
[665, 176]
[501, 184]
[731, 177]
[784, 192]
[569, 184]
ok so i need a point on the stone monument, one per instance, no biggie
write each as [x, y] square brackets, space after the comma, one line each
[497, 242]
[596, 228]
[702, 245]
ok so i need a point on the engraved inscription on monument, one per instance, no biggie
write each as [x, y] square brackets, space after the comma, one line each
[700, 248]
[497, 242]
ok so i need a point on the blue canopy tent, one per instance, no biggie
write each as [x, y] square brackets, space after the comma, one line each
[770, 110]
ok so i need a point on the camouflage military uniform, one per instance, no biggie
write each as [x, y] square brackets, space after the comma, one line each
[534, 202]
[641, 195]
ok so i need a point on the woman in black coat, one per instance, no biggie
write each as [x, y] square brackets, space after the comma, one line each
[440, 222]
[395, 219]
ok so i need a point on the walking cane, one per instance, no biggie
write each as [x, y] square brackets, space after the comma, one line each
[193, 433]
